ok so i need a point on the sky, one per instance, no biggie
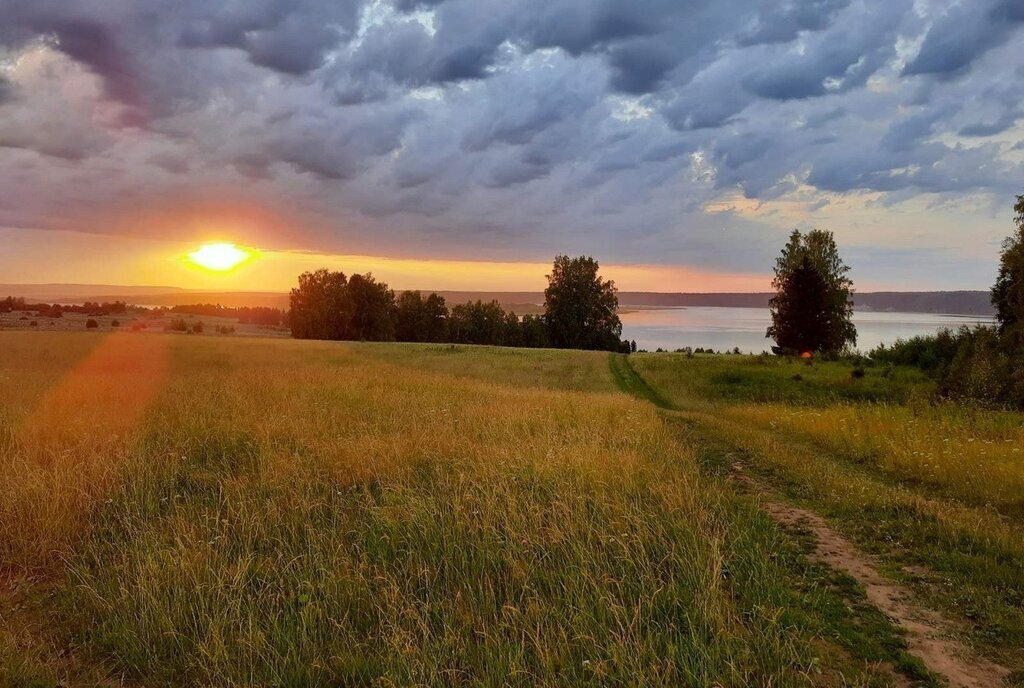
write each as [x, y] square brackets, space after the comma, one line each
[455, 144]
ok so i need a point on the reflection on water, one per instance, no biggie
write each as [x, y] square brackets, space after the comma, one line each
[723, 329]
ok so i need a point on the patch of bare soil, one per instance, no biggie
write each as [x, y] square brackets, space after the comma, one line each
[928, 633]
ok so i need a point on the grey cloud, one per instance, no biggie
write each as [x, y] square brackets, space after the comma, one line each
[965, 32]
[984, 129]
[782, 22]
[425, 125]
[290, 37]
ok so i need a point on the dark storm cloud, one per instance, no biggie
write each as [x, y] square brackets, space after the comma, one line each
[426, 124]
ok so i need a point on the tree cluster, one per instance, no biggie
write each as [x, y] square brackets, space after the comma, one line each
[246, 315]
[579, 312]
[56, 310]
[983, 365]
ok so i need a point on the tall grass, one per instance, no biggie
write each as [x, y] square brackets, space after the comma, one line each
[972, 455]
[938, 485]
[67, 425]
[301, 513]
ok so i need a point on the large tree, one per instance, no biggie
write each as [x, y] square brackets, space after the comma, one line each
[320, 306]
[580, 308]
[373, 306]
[821, 321]
[1008, 292]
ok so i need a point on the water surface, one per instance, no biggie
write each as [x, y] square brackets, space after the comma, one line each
[723, 329]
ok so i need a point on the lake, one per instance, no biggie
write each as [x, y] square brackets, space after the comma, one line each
[725, 328]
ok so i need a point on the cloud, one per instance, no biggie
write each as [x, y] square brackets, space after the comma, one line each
[964, 33]
[505, 128]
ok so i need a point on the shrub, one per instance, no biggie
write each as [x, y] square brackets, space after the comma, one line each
[177, 325]
[91, 324]
[932, 354]
[138, 325]
[988, 369]
[858, 372]
[115, 323]
[197, 328]
[33, 324]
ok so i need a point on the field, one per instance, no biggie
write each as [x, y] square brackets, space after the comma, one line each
[933, 489]
[232, 511]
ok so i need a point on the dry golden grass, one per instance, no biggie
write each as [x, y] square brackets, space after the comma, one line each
[252, 512]
[973, 455]
[61, 449]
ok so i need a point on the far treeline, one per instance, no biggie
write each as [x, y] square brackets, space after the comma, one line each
[580, 312]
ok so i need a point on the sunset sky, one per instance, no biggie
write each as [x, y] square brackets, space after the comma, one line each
[461, 144]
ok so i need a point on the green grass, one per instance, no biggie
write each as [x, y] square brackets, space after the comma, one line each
[932, 487]
[736, 378]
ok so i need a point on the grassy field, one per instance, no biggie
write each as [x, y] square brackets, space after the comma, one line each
[184, 510]
[936, 489]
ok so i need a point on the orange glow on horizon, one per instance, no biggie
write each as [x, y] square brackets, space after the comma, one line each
[65, 257]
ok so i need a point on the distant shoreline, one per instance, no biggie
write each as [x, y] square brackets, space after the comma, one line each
[961, 303]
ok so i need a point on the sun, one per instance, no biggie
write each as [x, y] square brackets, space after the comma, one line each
[220, 257]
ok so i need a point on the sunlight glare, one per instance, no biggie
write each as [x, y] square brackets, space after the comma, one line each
[220, 257]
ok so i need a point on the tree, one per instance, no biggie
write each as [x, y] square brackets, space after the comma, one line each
[373, 304]
[1008, 292]
[511, 330]
[580, 308]
[477, 323]
[812, 309]
[419, 319]
[320, 306]
[800, 317]
[533, 332]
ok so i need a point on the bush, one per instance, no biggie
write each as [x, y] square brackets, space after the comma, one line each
[932, 354]
[33, 324]
[197, 328]
[115, 323]
[988, 369]
[138, 325]
[177, 325]
[91, 324]
[858, 372]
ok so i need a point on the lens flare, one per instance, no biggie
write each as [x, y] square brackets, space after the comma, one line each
[220, 257]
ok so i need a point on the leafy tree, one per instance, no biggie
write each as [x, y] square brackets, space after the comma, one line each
[533, 332]
[373, 304]
[511, 330]
[477, 323]
[419, 319]
[320, 306]
[1008, 292]
[800, 316]
[819, 321]
[580, 308]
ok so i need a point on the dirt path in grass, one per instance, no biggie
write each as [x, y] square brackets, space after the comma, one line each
[929, 635]
[927, 632]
